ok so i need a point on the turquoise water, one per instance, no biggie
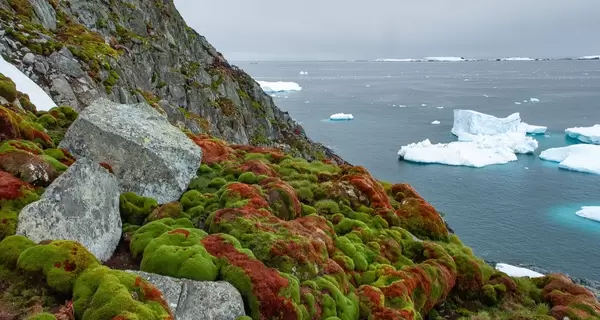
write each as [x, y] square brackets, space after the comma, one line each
[521, 212]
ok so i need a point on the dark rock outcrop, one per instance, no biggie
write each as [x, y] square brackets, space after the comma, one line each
[143, 51]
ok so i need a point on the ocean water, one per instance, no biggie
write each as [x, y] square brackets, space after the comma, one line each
[518, 213]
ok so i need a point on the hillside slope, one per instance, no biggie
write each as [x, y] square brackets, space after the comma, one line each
[141, 50]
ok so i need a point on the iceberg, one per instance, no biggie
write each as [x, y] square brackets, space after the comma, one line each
[482, 140]
[444, 59]
[534, 100]
[517, 271]
[279, 86]
[518, 59]
[589, 58]
[435, 122]
[341, 116]
[37, 95]
[578, 157]
[531, 129]
[303, 73]
[585, 134]
[477, 123]
[592, 213]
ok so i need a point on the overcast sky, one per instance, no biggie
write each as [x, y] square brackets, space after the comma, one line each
[350, 29]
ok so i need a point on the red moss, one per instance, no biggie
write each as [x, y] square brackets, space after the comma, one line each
[69, 158]
[248, 192]
[257, 167]
[11, 187]
[18, 144]
[360, 178]
[266, 282]
[15, 126]
[213, 150]
[29, 167]
[417, 215]
[151, 293]
[106, 166]
[279, 191]
[69, 266]
[568, 299]
[184, 232]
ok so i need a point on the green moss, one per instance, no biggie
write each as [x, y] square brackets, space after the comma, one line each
[178, 253]
[61, 262]
[259, 137]
[8, 89]
[169, 210]
[226, 106]
[112, 79]
[134, 209]
[152, 230]
[22, 7]
[42, 316]
[9, 211]
[101, 293]
[243, 318]
[248, 178]
[57, 165]
[11, 248]
[327, 207]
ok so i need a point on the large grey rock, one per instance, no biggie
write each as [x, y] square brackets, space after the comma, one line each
[81, 205]
[44, 11]
[192, 300]
[148, 155]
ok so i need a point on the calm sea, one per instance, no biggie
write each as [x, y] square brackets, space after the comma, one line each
[519, 213]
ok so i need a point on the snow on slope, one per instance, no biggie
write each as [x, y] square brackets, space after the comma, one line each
[578, 157]
[517, 271]
[37, 95]
[592, 213]
[279, 86]
[585, 134]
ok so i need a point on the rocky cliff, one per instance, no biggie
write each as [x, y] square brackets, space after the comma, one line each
[142, 50]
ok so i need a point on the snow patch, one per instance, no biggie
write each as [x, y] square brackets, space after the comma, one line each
[341, 116]
[517, 271]
[585, 134]
[592, 213]
[578, 157]
[37, 95]
[279, 86]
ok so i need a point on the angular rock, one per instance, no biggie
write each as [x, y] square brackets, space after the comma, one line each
[29, 58]
[81, 205]
[44, 11]
[191, 300]
[148, 155]
[64, 62]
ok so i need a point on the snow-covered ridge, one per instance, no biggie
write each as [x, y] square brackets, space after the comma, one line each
[592, 213]
[279, 86]
[517, 272]
[578, 157]
[585, 134]
[518, 59]
[37, 95]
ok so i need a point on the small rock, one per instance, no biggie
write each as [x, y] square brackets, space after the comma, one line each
[148, 155]
[81, 205]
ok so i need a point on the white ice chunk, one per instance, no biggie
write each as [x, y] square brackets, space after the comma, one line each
[517, 271]
[444, 59]
[303, 73]
[477, 123]
[578, 157]
[37, 95]
[518, 59]
[592, 213]
[517, 102]
[534, 99]
[279, 86]
[531, 129]
[341, 116]
[589, 58]
[585, 134]
[435, 122]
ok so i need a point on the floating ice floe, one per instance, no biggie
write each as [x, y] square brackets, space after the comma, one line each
[279, 86]
[531, 129]
[517, 102]
[37, 95]
[589, 58]
[517, 272]
[435, 122]
[578, 157]
[518, 59]
[303, 73]
[534, 100]
[440, 107]
[482, 140]
[592, 213]
[444, 59]
[585, 134]
[341, 116]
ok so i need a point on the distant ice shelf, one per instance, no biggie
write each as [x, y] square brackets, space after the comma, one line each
[518, 59]
[585, 134]
[578, 157]
[279, 86]
[444, 59]
[37, 95]
[341, 116]
[592, 213]
[517, 272]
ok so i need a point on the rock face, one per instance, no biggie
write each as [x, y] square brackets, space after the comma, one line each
[147, 154]
[81, 205]
[142, 51]
[191, 300]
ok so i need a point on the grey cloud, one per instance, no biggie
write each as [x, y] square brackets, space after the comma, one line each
[338, 29]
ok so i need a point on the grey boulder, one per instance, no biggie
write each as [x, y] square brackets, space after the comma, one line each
[191, 300]
[147, 154]
[81, 205]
